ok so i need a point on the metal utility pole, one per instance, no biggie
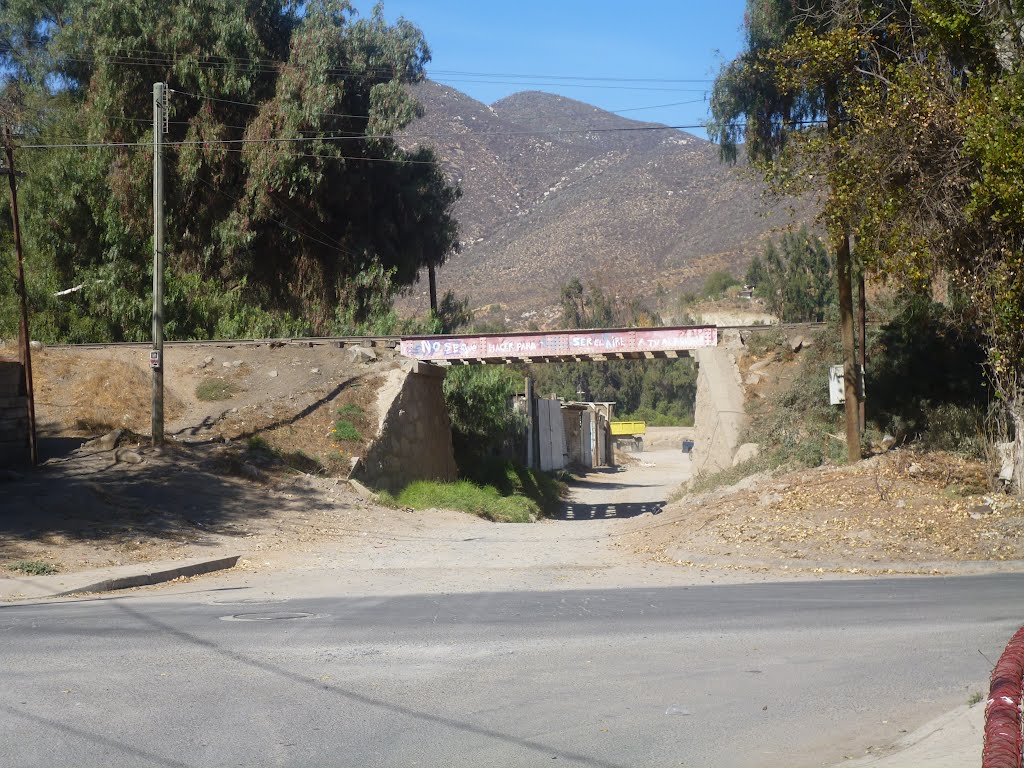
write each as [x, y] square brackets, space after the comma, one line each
[156, 356]
[23, 334]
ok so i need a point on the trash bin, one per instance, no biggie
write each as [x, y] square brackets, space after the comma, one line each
[687, 446]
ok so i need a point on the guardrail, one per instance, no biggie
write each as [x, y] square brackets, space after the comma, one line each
[1003, 735]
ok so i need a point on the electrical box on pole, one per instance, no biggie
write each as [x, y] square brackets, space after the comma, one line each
[156, 356]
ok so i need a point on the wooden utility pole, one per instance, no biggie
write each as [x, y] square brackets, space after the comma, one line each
[432, 280]
[844, 269]
[156, 356]
[862, 330]
[24, 339]
[844, 277]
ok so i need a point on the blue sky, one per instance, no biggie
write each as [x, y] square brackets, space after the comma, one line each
[650, 40]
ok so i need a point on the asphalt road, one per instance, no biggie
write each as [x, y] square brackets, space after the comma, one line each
[782, 674]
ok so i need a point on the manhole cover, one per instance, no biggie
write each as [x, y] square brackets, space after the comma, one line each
[268, 616]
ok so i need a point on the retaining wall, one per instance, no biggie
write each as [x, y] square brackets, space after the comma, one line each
[13, 414]
[720, 418]
[414, 438]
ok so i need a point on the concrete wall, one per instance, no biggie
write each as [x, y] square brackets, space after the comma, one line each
[414, 437]
[13, 415]
[720, 418]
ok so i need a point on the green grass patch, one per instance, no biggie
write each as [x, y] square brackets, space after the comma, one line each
[495, 489]
[345, 427]
[465, 496]
[345, 430]
[510, 478]
[210, 390]
[257, 444]
[33, 567]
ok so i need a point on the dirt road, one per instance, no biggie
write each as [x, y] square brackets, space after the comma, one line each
[447, 552]
[640, 486]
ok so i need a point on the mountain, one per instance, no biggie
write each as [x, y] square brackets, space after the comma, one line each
[554, 188]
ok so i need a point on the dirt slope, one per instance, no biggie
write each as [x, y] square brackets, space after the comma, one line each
[287, 395]
[897, 512]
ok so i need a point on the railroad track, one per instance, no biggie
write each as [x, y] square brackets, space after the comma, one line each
[389, 342]
[311, 341]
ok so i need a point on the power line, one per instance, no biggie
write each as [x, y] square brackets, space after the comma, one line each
[274, 66]
[258, 106]
[576, 77]
[367, 137]
[659, 106]
[152, 56]
[207, 142]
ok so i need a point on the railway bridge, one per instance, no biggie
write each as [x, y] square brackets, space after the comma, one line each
[411, 433]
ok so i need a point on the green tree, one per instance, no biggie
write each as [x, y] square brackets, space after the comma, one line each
[784, 98]
[756, 275]
[285, 188]
[659, 391]
[798, 283]
[921, 154]
[716, 284]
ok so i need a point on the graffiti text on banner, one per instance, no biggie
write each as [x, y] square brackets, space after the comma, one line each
[563, 343]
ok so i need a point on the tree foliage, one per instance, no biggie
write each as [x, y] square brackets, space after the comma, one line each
[659, 391]
[717, 283]
[922, 153]
[289, 202]
[794, 278]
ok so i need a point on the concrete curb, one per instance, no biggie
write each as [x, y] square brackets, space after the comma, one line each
[155, 577]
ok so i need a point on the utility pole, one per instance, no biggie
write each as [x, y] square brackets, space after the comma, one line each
[156, 356]
[23, 334]
[844, 278]
[432, 281]
[862, 329]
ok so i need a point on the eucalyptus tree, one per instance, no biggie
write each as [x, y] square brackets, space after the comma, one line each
[783, 99]
[286, 190]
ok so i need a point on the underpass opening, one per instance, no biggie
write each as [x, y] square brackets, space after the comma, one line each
[578, 410]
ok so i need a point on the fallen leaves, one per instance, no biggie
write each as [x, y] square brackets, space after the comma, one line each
[895, 509]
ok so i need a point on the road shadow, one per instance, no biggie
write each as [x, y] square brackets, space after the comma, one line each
[605, 486]
[57, 447]
[263, 667]
[134, 495]
[571, 510]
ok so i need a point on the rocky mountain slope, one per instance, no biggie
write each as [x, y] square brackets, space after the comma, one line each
[556, 189]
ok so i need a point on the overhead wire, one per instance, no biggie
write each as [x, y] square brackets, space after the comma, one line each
[658, 106]
[150, 56]
[364, 137]
[444, 79]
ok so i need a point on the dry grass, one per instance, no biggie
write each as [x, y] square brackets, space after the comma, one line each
[113, 394]
[900, 507]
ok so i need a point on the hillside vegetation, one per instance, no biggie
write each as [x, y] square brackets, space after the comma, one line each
[546, 200]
